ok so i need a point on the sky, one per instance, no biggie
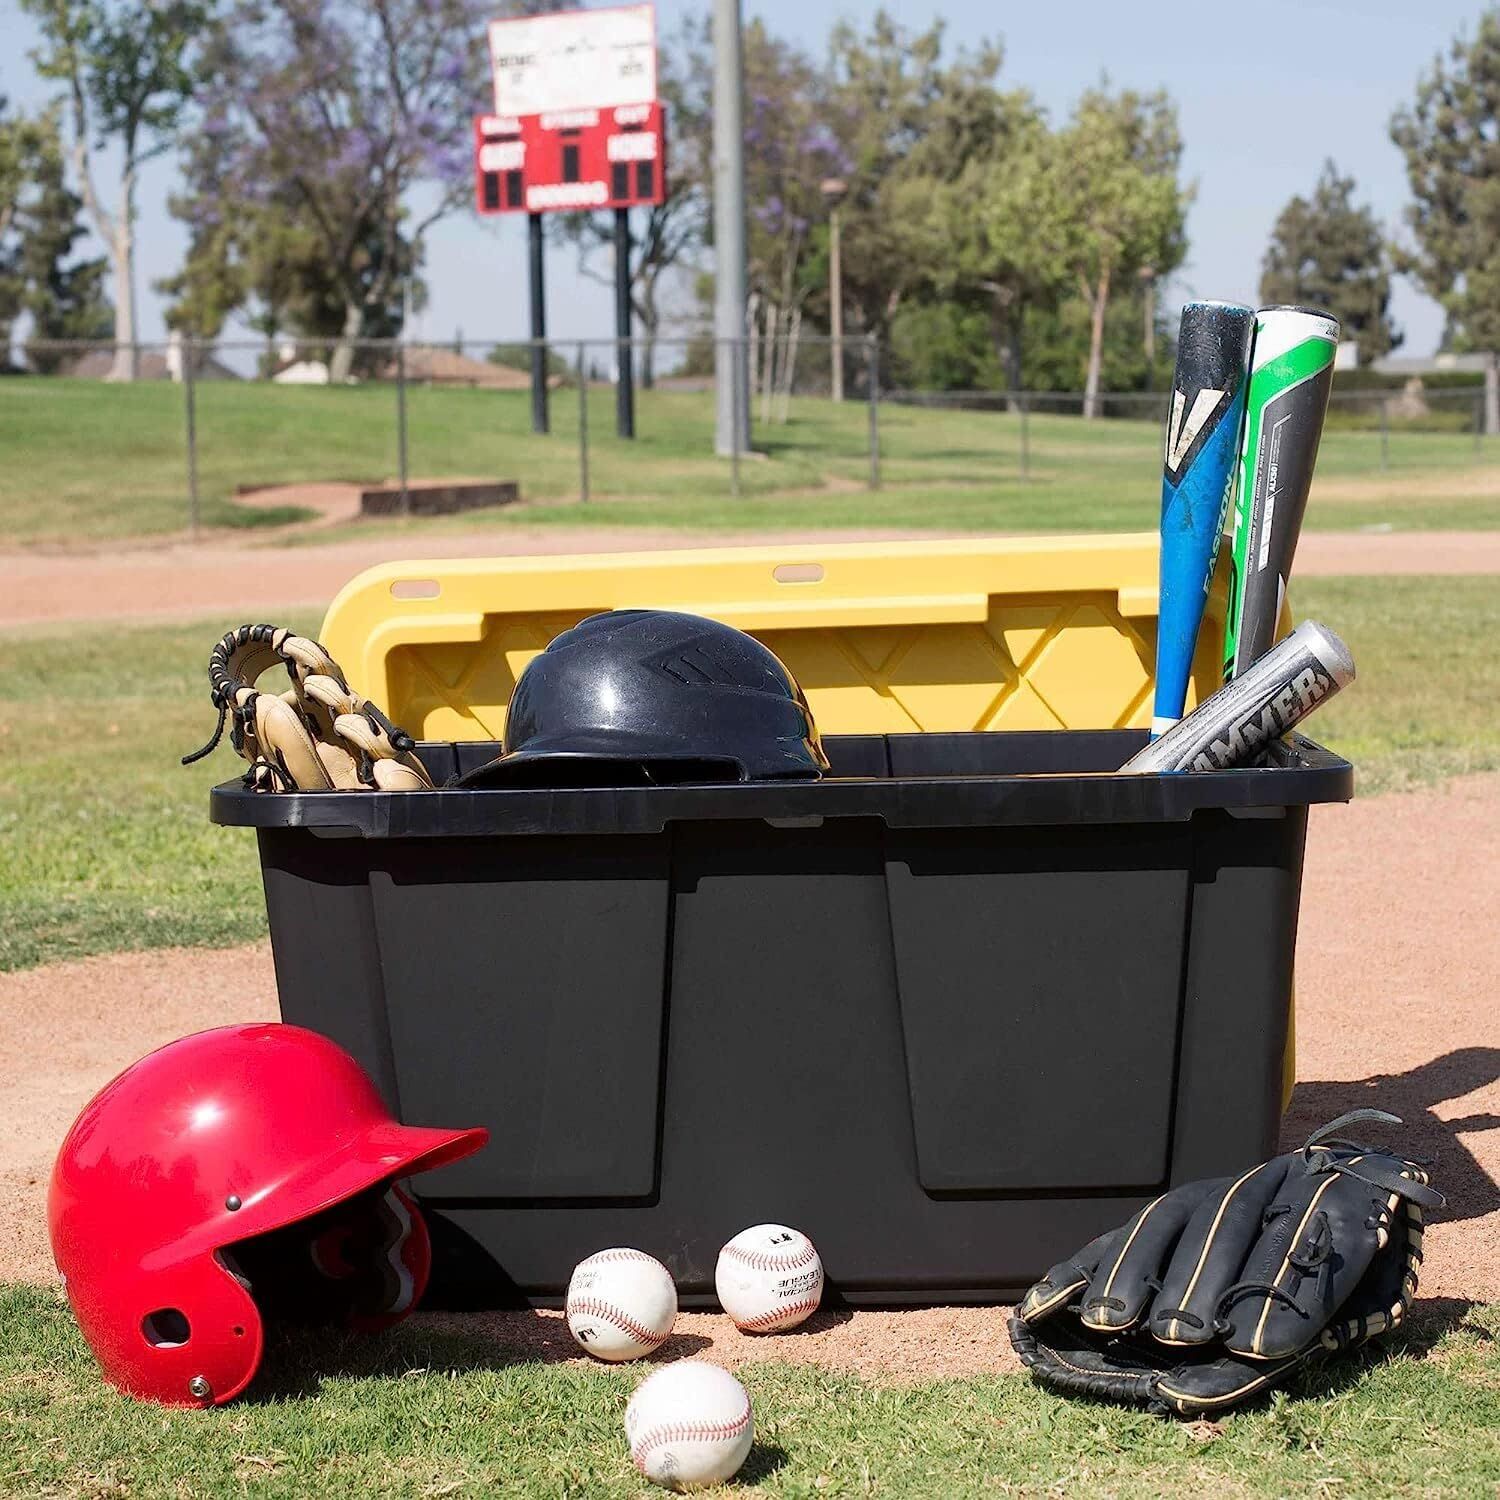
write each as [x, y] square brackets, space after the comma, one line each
[1264, 96]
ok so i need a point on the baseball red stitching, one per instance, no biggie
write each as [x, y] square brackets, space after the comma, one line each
[603, 1257]
[766, 1260]
[590, 1307]
[779, 1314]
[681, 1432]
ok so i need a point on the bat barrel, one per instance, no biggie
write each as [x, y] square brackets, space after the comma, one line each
[1199, 456]
[1269, 698]
[1291, 377]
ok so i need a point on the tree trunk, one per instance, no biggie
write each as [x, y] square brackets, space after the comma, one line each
[1014, 372]
[1492, 394]
[768, 371]
[1006, 313]
[343, 352]
[650, 317]
[1099, 300]
[127, 361]
[789, 365]
[752, 328]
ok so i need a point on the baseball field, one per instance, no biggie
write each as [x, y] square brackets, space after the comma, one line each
[127, 920]
[79, 459]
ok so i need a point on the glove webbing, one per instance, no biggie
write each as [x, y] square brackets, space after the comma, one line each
[335, 738]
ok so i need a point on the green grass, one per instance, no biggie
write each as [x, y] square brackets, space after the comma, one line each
[82, 461]
[1426, 704]
[108, 844]
[437, 1409]
[106, 837]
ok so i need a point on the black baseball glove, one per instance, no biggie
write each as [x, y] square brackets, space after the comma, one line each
[1217, 1290]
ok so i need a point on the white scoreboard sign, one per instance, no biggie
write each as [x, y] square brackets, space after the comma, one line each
[576, 59]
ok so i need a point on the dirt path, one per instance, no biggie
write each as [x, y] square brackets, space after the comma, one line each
[230, 578]
[1398, 963]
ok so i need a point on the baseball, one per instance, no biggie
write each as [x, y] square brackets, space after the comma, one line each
[689, 1426]
[769, 1278]
[621, 1304]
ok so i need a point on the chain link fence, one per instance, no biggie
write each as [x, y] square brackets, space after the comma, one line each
[406, 413]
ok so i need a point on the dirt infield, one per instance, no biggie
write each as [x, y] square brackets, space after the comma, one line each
[1398, 962]
[233, 579]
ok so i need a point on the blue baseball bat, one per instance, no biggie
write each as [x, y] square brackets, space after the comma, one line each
[1199, 463]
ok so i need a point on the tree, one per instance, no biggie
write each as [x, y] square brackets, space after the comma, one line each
[948, 343]
[906, 120]
[213, 281]
[991, 233]
[328, 116]
[1327, 253]
[125, 69]
[39, 226]
[1058, 339]
[65, 297]
[266, 259]
[673, 229]
[1115, 175]
[943, 345]
[15, 149]
[1450, 137]
[791, 149]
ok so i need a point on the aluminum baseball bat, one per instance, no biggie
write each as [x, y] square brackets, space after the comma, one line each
[1268, 698]
[1200, 456]
[1291, 375]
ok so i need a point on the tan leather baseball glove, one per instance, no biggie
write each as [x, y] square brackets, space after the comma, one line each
[319, 735]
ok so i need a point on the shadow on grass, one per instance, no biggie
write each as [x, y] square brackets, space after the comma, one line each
[1429, 1322]
[299, 1361]
[763, 1461]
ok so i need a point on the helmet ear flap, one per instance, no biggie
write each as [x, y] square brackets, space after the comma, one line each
[197, 1342]
[363, 1263]
[382, 1253]
[403, 1262]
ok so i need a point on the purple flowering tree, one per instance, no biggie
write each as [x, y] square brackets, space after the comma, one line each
[791, 145]
[333, 134]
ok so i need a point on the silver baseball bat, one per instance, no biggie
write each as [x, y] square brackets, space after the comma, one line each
[1268, 698]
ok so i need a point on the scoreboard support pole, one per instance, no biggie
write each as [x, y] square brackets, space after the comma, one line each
[625, 354]
[538, 327]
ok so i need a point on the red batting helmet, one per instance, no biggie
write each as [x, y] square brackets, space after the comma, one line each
[241, 1172]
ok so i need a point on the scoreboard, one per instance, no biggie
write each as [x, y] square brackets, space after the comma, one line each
[570, 160]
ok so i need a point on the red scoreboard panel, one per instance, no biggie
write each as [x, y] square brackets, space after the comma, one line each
[570, 160]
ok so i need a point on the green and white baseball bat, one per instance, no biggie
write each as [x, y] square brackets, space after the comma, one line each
[1291, 375]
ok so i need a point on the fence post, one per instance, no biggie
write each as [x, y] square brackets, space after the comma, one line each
[583, 423]
[872, 376]
[1385, 435]
[736, 356]
[401, 426]
[540, 422]
[190, 404]
[1478, 425]
[624, 344]
[1025, 437]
